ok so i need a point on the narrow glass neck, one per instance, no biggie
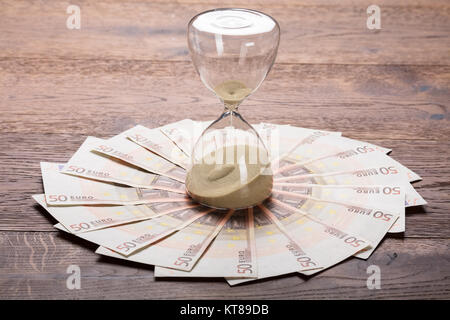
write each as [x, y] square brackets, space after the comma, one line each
[231, 107]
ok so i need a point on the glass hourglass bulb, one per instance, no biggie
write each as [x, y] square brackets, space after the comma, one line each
[232, 50]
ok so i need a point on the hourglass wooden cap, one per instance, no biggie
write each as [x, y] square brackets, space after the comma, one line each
[234, 22]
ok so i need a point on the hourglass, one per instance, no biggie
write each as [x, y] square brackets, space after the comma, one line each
[232, 50]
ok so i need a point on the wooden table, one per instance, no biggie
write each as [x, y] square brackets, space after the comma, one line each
[129, 64]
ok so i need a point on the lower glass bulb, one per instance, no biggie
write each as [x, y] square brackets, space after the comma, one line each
[230, 166]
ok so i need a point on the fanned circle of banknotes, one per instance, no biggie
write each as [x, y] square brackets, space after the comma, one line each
[333, 198]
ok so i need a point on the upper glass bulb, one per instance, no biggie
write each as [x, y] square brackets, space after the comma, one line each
[232, 50]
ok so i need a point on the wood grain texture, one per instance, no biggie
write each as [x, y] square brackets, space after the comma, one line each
[129, 65]
[33, 265]
[327, 32]
[62, 96]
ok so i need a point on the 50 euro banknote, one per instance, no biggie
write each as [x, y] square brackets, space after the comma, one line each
[310, 196]
[359, 169]
[63, 189]
[157, 142]
[329, 155]
[276, 254]
[129, 238]
[103, 167]
[281, 140]
[122, 148]
[181, 250]
[358, 219]
[319, 144]
[231, 254]
[84, 218]
[294, 242]
[185, 134]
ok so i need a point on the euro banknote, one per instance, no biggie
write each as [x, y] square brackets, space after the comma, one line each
[184, 248]
[370, 222]
[231, 254]
[389, 197]
[157, 142]
[276, 254]
[383, 172]
[84, 218]
[346, 159]
[63, 189]
[309, 239]
[129, 238]
[122, 148]
[92, 165]
[185, 133]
